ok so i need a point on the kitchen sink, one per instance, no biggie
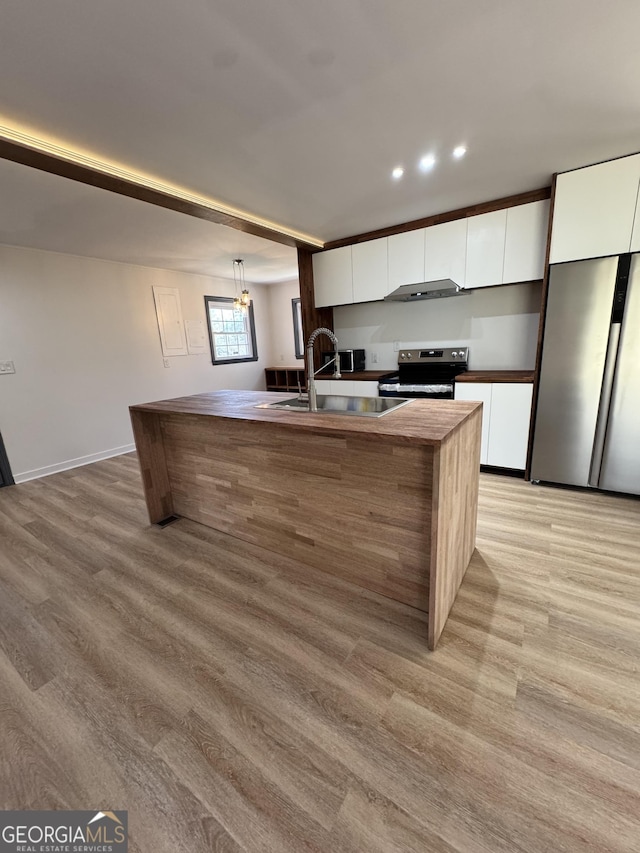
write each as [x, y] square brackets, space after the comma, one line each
[334, 404]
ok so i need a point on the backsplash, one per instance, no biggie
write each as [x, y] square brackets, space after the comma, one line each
[499, 325]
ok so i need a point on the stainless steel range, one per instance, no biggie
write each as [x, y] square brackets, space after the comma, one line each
[428, 373]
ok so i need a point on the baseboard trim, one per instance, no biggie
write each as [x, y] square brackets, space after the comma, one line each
[36, 473]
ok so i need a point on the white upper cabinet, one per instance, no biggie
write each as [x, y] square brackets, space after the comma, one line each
[370, 277]
[485, 248]
[501, 247]
[594, 210]
[333, 277]
[526, 242]
[406, 258]
[446, 251]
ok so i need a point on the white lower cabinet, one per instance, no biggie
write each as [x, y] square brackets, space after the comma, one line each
[505, 420]
[478, 391]
[362, 388]
[325, 386]
[347, 387]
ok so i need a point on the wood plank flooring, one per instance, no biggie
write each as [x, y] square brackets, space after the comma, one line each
[233, 700]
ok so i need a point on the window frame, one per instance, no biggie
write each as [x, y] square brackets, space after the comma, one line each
[296, 306]
[250, 319]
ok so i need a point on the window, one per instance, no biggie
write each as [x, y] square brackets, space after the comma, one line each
[232, 331]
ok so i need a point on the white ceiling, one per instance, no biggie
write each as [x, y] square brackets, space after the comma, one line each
[43, 211]
[297, 110]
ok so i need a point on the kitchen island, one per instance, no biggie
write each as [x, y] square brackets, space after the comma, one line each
[387, 503]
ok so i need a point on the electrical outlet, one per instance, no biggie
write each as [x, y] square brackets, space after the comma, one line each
[166, 362]
[7, 367]
[396, 346]
[374, 358]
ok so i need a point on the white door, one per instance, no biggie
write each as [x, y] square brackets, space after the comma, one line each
[509, 427]
[406, 258]
[446, 251]
[333, 277]
[526, 242]
[370, 277]
[485, 248]
[478, 391]
[594, 209]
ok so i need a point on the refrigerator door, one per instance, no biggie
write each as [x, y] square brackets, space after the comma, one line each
[620, 470]
[574, 352]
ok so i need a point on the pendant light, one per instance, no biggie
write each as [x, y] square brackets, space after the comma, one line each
[242, 301]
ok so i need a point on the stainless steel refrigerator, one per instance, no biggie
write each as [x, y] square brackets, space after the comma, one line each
[587, 427]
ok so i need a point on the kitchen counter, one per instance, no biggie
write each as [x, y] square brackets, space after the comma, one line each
[523, 376]
[388, 504]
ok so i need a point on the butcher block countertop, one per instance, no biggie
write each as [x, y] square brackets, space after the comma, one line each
[422, 422]
[496, 376]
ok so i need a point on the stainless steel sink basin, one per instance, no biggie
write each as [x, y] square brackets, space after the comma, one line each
[334, 404]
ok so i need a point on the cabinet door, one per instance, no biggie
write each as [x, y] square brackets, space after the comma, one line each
[323, 386]
[509, 426]
[342, 387]
[362, 388]
[333, 277]
[478, 391]
[594, 209]
[485, 248]
[406, 258]
[446, 251]
[370, 276]
[526, 242]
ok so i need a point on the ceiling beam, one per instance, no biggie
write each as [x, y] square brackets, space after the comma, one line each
[66, 164]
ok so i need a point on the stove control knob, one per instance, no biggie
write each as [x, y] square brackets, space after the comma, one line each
[454, 354]
[402, 355]
[409, 355]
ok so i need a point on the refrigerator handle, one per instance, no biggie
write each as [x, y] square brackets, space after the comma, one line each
[605, 403]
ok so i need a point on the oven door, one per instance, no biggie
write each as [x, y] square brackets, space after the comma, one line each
[428, 391]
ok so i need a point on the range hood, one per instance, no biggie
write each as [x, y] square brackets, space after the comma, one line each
[426, 290]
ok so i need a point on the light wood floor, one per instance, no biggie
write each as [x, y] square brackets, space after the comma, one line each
[231, 700]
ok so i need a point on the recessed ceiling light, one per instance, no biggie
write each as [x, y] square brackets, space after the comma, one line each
[397, 173]
[459, 151]
[427, 162]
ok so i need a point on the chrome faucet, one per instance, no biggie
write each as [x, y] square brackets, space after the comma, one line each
[311, 382]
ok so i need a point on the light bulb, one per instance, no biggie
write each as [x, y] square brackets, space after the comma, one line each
[459, 151]
[397, 173]
[427, 162]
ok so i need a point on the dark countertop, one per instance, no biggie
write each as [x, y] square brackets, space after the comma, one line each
[469, 376]
[496, 376]
[426, 422]
[360, 376]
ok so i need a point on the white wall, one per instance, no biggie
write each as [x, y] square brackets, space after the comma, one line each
[282, 349]
[84, 338]
[498, 324]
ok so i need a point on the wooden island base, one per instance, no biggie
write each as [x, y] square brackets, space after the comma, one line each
[389, 503]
